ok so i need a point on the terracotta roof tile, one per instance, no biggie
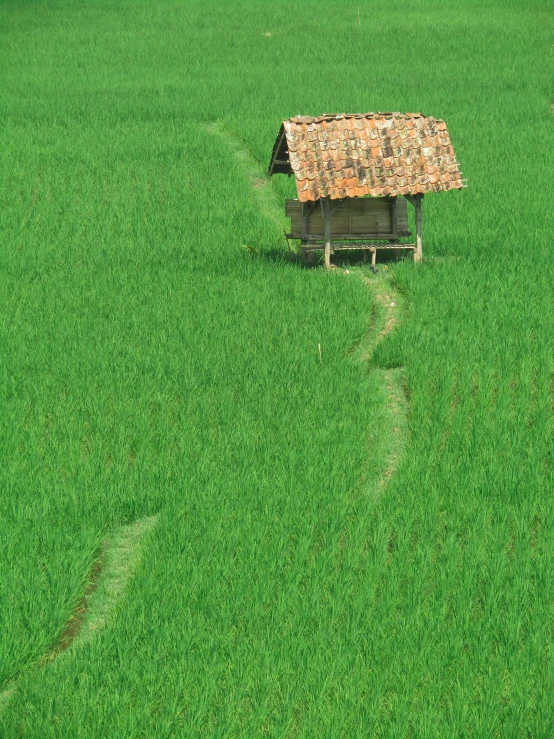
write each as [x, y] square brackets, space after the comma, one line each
[373, 154]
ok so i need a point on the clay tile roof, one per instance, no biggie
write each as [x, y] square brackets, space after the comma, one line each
[377, 154]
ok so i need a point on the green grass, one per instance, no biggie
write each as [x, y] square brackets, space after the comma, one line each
[153, 366]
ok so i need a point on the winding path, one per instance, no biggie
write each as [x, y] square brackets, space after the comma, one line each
[117, 559]
[388, 311]
[120, 555]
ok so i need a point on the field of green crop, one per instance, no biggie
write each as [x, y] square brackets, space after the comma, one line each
[218, 516]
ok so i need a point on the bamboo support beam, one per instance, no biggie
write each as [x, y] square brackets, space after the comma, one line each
[348, 237]
[354, 246]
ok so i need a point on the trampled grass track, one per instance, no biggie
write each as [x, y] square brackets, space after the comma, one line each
[387, 310]
[266, 199]
[104, 588]
[121, 552]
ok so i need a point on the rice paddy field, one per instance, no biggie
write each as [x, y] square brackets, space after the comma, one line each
[242, 498]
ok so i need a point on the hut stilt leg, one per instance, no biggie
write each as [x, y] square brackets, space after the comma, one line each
[373, 260]
[327, 220]
[394, 229]
[418, 254]
[327, 255]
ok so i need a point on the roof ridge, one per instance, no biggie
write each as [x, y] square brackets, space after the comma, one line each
[370, 114]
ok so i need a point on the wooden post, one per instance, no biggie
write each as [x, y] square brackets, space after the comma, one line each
[394, 229]
[304, 234]
[304, 226]
[327, 221]
[394, 220]
[418, 253]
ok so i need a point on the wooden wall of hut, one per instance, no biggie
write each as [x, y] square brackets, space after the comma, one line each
[351, 217]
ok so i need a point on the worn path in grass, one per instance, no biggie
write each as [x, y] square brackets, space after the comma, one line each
[120, 554]
[387, 312]
[117, 559]
[265, 195]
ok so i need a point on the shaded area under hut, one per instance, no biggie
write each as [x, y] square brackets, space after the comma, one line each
[355, 174]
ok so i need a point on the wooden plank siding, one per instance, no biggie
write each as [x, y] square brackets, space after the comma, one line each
[350, 218]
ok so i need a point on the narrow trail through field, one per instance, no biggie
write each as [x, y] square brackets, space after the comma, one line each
[389, 308]
[121, 553]
[388, 311]
[117, 559]
[261, 184]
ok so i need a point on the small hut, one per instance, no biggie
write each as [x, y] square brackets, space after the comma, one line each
[355, 174]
